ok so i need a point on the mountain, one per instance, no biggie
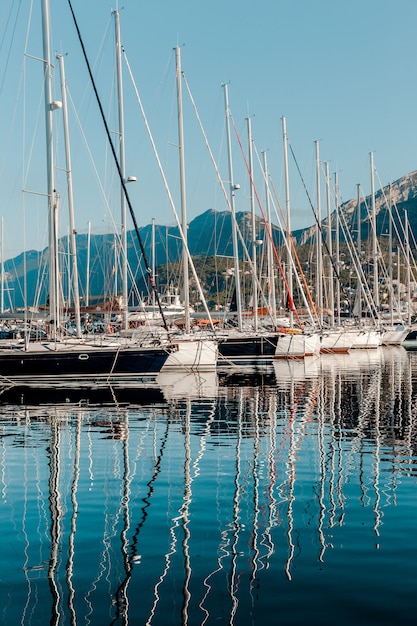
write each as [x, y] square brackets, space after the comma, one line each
[401, 195]
[209, 235]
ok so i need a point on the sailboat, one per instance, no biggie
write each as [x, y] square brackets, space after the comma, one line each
[55, 362]
[253, 347]
[192, 351]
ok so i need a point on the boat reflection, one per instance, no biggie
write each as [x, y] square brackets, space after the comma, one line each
[188, 385]
[149, 393]
[196, 507]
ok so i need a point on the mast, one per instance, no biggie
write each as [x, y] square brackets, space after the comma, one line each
[183, 192]
[50, 106]
[233, 188]
[408, 273]
[271, 273]
[374, 236]
[70, 199]
[359, 288]
[319, 259]
[337, 244]
[123, 181]
[122, 167]
[87, 280]
[329, 244]
[115, 265]
[390, 260]
[288, 215]
[254, 240]
[153, 255]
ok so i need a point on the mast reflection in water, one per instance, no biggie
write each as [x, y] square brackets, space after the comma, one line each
[288, 498]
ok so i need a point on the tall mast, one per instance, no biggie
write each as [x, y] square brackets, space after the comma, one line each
[50, 106]
[233, 188]
[153, 256]
[337, 244]
[288, 214]
[122, 167]
[254, 239]
[87, 280]
[183, 192]
[390, 260]
[374, 235]
[329, 243]
[319, 275]
[408, 273]
[359, 288]
[271, 273]
[70, 199]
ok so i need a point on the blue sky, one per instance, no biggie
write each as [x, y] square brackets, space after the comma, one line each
[341, 72]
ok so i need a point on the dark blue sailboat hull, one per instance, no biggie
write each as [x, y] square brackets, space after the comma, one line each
[247, 350]
[80, 367]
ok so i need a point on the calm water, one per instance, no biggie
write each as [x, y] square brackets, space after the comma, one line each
[289, 498]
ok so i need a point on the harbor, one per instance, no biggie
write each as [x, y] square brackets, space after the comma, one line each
[228, 499]
[208, 350]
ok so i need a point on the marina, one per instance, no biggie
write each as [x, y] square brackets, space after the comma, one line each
[211, 421]
[285, 496]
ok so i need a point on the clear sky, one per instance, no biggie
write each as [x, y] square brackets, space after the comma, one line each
[342, 72]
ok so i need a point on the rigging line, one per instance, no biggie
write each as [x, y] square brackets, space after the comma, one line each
[363, 283]
[374, 230]
[310, 304]
[319, 226]
[389, 208]
[132, 275]
[290, 246]
[9, 53]
[122, 182]
[290, 304]
[411, 234]
[167, 189]
[372, 305]
[216, 169]
[116, 356]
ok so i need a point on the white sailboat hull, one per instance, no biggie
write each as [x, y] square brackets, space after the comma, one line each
[193, 355]
[367, 339]
[337, 341]
[394, 336]
[290, 347]
[312, 344]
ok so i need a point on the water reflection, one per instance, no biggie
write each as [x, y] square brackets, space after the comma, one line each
[26, 396]
[216, 500]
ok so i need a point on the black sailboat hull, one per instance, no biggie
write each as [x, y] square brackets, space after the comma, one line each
[81, 367]
[247, 350]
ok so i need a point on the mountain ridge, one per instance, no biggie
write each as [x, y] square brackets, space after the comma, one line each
[401, 194]
[209, 235]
